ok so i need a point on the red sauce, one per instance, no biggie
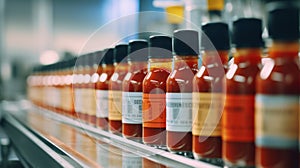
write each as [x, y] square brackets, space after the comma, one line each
[115, 84]
[102, 84]
[133, 83]
[154, 111]
[180, 81]
[286, 61]
[238, 145]
[209, 80]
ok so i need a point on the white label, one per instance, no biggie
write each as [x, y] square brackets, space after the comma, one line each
[78, 100]
[132, 107]
[276, 121]
[179, 112]
[102, 103]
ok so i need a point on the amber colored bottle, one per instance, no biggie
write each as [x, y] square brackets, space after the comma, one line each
[208, 92]
[179, 92]
[102, 88]
[94, 60]
[85, 89]
[115, 89]
[66, 89]
[132, 88]
[238, 116]
[77, 86]
[277, 93]
[154, 90]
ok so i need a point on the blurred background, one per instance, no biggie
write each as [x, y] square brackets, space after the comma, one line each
[45, 31]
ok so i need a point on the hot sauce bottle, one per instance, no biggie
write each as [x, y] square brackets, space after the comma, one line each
[115, 89]
[154, 90]
[238, 116]
[85, 90]
[179, 92]
[133, 90]
[94, 60]
[66, 91]
[102, 88]
[208, 92]
[77, 84]
[277, 92]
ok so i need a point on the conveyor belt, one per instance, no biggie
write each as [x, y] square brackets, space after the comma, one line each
[65, 142]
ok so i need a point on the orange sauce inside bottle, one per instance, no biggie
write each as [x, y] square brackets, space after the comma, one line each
[209, 80]
[238, 136]
[115, 84]
[280, 77]
[133, 83]
[180, 81]
[154, 106]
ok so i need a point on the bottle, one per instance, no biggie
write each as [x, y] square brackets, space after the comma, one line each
[132, 90]
[179, 92]
[154, 90]
[238, 116]
[85, 90]
[102, 88]
[94, 60]
[115, 89]
[66, 90]
[277, 92]
[77, 83]
[208, 93]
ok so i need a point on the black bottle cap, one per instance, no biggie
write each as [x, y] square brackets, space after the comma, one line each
[120, 52]
[79, 61]
[71, 62]
[247, 32]
[186, 42]
[160, 46]
[138, 50]
[98, 57]
[283, 21]
[216, 36]
[108, 56]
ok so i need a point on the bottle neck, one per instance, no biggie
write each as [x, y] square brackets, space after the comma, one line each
[137, 66]
[248, 54]
[160, 63]
[107, 68]
[212, 57]
[189, 61]
[121, 67]
[286, 49]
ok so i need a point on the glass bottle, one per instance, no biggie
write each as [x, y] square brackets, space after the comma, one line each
[115, 89]
[238, 116]
[102, 88]
[154, 90]
[208, 93]
[277, 92]
[132, 90]
[179, 92]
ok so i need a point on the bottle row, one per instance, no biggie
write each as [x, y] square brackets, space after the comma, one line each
[161, 93]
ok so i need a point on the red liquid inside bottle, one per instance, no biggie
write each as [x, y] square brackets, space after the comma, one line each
[180, 83]
[115, 98]
[208, 103]
[238, 118]
[132, 95]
